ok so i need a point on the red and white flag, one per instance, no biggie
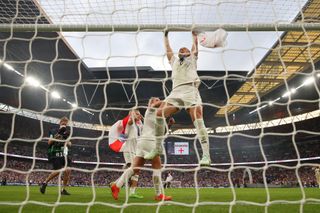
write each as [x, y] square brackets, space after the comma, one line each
[117, 136]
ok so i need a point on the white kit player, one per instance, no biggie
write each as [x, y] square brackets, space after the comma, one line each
[146, 143]
[132, 131]
[123, 135]
[167, 182]
[184, 95]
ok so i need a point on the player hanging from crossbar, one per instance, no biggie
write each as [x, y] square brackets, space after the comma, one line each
[184, 95]
[146, 142]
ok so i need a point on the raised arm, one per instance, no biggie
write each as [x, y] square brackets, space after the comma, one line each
[50, 142]
[68, 143]
[194, 49]
[130, 121]
[167, 46]
[134, 117]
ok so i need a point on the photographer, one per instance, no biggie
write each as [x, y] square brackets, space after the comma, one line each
[58, 155]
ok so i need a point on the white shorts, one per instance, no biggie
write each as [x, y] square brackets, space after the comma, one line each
[129, 150]
[184, 97]
[145, 146]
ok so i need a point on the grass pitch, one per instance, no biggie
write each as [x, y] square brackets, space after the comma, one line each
[100, 200]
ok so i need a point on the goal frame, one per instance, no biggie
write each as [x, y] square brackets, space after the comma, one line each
[160, 27]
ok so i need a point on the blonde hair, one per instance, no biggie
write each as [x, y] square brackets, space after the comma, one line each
[64, 119]
[134, 110]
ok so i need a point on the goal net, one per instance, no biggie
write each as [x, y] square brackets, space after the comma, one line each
[94, 61]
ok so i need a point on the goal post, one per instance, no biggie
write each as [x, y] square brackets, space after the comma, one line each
[156, 28]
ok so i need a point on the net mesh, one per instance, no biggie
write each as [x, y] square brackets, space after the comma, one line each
[260, 95]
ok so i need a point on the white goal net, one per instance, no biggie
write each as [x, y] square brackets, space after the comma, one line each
[92, 61]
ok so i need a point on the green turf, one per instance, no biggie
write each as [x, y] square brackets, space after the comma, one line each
[85, 197]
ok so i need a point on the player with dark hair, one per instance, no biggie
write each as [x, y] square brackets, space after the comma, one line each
[58, 155]
[184, 95]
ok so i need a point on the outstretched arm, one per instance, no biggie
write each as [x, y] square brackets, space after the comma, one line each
[194, 49]
[167, 46]
[134, 117]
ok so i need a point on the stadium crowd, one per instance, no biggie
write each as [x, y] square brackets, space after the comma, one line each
[29, 142]
[18, 171]
[280, 151]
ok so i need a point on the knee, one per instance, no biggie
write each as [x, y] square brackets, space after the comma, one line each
[136, 171]
[126, 166]
[198, 113]
[196, 116]
[129, 172]
[135, 177]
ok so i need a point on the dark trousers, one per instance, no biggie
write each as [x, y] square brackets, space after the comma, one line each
[167, 185]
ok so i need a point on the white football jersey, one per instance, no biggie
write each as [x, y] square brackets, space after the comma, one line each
[184, 72]
[132, 132]
[169, 178]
